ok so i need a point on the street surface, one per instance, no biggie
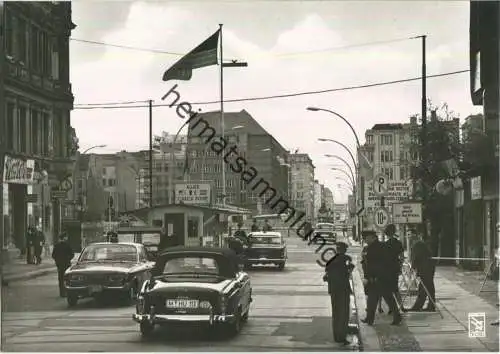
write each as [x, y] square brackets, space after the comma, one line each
[291, 312]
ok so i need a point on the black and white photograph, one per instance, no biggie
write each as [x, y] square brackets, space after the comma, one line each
[249, 176]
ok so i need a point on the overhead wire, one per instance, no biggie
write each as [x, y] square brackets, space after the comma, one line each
[261, 98]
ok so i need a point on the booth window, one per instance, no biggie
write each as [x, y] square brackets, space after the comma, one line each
[193, 227]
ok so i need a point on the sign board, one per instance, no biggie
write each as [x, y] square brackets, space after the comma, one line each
[407, 213]
[192, 193]
[18, 170]
[31, 198]
[380, 185]
[397, 192]
[475, 188]
[58, 194]
[381, 218]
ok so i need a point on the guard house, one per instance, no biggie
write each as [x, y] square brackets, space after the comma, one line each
[190, 225]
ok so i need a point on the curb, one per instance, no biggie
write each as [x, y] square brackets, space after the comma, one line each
[30, 275]
[368, 337]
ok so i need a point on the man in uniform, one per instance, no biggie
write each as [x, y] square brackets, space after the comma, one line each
[395, 254]
[62, 255]
[338, 270]
[377, 281]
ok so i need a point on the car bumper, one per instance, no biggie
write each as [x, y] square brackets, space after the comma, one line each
[160, 318]
[89, 290]
[265, 260]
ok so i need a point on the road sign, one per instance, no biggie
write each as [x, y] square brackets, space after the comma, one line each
[192, 193]
[58, 194]
[380, 185]
[407, 213]
[31, 198]
[381, 218]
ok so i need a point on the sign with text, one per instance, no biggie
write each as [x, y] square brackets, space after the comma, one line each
[381, 218]
[475, 188]
[397, 191]
[19, 171]
[407, 213]
[192, 193]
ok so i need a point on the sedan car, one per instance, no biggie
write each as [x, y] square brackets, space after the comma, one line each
[195, 285]
[107, 268]
[324, 233]
[266, 248]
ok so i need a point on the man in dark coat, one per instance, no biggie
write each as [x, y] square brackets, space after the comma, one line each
[39, 241]
[377, 281]
[425, 266]
[338, 270]
[254, 227]
[395, 254]
[267, 227]
[30, 245]
[62, 255]
[241, 234]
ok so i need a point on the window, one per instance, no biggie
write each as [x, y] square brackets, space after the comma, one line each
[21, 40]
[104, 182]
[46, 135]
[55, 60]
[23, 129]
[402, 173]
[35, 131]
[191, 265]
[369, 139]
[9, 33]
[388, 171]
[34, 49]
[11, 111]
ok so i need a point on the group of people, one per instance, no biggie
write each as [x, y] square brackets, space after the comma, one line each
[35, 241]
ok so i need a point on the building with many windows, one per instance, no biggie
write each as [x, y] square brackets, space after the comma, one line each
[302, 178]
[318, 197]
[328, 198]
[254, 144]
[36, 138]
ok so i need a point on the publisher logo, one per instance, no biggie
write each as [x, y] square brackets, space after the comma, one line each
[477, 325]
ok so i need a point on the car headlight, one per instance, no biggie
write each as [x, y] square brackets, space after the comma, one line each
[116, 278]
[76, 277]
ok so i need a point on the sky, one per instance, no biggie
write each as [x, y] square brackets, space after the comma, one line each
[290, 47]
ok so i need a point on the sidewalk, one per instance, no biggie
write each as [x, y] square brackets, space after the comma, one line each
[457, 295]
[17, 269]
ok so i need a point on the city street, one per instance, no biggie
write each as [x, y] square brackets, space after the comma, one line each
[290, 312]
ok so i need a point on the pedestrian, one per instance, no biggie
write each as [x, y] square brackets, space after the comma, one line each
[267, 227]
[363, 267]
[337, 273]
[39, 242]
[308, 230]
[62, 255]
[425, 267]
[395, 254]
[241, 234]
[112, 237]
[255, 226]
[237, 245]
[377, 280]
[30, 245]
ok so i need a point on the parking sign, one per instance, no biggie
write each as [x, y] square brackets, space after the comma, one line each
[380, 185]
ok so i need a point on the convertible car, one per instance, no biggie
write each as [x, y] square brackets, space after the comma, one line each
[107, 268]
[266, 248]
[195, 285]
[324, 233]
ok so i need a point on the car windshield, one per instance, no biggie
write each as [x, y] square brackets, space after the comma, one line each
[109, 252]
[191, 265]
[265, 240]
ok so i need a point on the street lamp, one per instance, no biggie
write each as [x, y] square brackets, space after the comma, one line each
[348, 176]
[347, 182]
[344, 146]
[354, 176]
[316, 109]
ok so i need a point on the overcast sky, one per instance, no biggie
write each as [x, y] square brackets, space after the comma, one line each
[290, 47]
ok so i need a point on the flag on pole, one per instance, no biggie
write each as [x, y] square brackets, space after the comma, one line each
[203, 55]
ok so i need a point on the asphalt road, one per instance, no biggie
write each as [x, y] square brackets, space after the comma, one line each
[290, 312]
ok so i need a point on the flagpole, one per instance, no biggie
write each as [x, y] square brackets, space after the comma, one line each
[222, 114]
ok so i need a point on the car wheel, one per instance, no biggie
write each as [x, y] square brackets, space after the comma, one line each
[72, 300]
[281, 266]
[146, 329]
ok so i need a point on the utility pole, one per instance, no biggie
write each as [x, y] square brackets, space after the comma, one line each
[424, 135]
[150, 153]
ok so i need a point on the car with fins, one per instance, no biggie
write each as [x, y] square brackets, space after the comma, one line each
[195, 286]
[264, 248]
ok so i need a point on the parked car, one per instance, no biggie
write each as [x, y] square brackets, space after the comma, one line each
[325, 231]
[195, 285]
[107, 268]
[266, 248]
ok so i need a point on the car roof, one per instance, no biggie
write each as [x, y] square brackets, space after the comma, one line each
[116, 243]
[265, 233]
[196, 249]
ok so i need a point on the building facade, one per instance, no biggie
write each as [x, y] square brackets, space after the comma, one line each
[318, 196]
[254, 144]
[328, 198]
[302, 177]
[36, 139]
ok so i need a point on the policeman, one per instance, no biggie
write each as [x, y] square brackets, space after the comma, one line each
[377, 281]
[337, 272]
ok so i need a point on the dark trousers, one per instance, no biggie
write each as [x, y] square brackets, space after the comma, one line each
[377, 290]
[29, 254]
[427, 280]
[38, 254]
[340, 314]
[61, 268]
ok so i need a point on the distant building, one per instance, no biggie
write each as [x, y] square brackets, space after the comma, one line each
[302, 183]
[254, 144]
[36, 138]
[317, 198]
[328, 198]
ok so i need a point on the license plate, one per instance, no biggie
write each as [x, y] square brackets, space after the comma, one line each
[182, 304]
[95, 288]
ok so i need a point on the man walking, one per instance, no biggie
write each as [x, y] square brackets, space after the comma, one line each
[30, 245]
[395, 253]
[425, 266]
[377, 281]
[38, 246]
[254, 227]
[267, 227]
[337, 272]
[62, 255]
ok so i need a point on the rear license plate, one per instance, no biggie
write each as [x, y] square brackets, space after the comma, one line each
[182, 304]
[95, 288]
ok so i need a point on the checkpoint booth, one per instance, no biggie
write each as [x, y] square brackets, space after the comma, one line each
[190, 225]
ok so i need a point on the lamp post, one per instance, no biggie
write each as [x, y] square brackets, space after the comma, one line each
[353, 174]
[348, 176]
[347, 182]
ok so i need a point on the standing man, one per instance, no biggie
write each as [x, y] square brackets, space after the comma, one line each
[395, 253]
[62, 255]
[267, 227]
[254, 227]
[241, 234]
[38, 246]
[30, 244]
[425, 266]
[337, 272]
[377, 281]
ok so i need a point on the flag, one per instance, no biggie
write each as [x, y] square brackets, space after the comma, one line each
[203, 55]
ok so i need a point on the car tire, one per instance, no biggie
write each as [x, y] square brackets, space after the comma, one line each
[146, 329]
[72, 300]
[281, 266]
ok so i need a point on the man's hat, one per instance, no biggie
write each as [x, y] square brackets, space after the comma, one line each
[342, 245]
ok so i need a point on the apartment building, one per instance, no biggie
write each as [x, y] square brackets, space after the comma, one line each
[302, 177]
[36, 139]
[318, 196]
[328, 198]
